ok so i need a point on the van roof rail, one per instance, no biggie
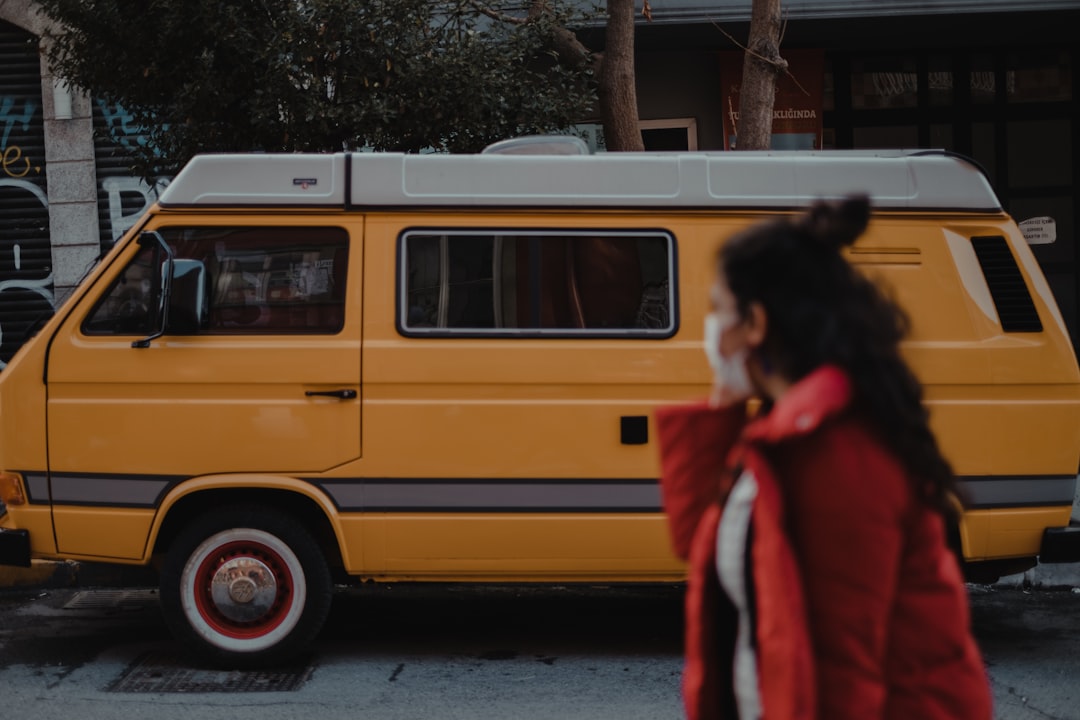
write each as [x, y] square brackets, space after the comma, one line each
[894, 179]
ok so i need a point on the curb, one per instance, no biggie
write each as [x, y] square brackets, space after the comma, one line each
[1051, 576]
[41, 573]
[44, 574]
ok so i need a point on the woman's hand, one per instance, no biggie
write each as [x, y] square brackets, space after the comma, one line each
[722, 395]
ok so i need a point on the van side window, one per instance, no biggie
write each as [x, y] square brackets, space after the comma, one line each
[264, 280]
[519, 282]
[130, 306]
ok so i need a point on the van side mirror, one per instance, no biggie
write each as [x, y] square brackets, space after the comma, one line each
[189, 305]
[164, 285]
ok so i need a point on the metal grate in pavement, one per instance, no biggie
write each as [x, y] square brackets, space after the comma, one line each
[111, 600]
[157, 672]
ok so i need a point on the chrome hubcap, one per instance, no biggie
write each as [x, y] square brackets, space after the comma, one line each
[243, 589]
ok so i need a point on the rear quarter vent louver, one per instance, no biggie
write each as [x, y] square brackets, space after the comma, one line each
[1007, 287]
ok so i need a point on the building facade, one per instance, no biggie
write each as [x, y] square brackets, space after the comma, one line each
[988, 79]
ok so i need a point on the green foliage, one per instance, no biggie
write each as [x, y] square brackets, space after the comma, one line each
[317, 75]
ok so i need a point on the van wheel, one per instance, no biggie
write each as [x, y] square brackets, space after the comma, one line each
[245, 587]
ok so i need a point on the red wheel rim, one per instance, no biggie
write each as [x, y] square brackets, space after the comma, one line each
[208, 609]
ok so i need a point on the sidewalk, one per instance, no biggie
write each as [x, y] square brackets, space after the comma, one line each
[1047, 577]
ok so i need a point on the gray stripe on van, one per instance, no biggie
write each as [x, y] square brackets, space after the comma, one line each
[37, 488]
[114, 491]
[1018, 491]
[443, 495]
[505, 495]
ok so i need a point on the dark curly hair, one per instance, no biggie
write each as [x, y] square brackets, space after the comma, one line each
[820, 310]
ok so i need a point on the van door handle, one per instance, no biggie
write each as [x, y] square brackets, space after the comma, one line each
[343, 394]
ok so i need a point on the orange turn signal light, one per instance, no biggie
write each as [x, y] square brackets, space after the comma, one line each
[11, 489]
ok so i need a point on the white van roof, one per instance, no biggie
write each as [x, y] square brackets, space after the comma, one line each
[900, 179]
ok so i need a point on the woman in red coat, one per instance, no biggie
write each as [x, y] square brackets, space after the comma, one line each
[821, 585]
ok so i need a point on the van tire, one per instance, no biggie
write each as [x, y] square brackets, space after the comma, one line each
[275, 602]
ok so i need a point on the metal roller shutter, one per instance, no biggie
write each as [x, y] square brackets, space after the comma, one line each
[26, 282]
[122, 195]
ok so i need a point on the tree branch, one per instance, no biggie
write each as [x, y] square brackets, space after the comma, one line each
[780, 67]
[483, 9]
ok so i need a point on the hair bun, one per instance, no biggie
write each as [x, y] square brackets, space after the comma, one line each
[836, 223]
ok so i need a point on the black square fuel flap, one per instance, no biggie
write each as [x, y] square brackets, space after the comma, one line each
[634, 429]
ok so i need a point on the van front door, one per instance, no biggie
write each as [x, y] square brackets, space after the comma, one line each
[264, 376]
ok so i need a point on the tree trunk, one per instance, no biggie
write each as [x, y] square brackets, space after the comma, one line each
[762, 66]
[617, 91]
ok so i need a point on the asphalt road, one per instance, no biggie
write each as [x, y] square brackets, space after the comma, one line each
[452, 652]
[1030, 641]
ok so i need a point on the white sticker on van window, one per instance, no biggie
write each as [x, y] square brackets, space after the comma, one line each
[1039, 230]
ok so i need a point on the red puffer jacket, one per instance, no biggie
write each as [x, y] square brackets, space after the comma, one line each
[860, 609]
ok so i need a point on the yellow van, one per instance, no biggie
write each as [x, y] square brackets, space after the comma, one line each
[303, 369]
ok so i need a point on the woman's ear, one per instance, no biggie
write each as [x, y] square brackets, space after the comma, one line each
[757, 324]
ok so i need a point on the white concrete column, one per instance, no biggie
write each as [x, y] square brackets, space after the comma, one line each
[72, 181]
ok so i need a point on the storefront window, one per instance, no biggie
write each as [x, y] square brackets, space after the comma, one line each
[828, 138]
[878, 83]
[1039, 77]
[897, 137]
[939, 81]
[941, 137]
[982, 147]
[1040, 153]
[983, 80]
[828, 89]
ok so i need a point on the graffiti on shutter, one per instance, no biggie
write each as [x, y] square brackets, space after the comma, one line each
[123, 196]
[27, 296]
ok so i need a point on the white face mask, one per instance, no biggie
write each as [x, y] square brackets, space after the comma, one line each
[728, 372]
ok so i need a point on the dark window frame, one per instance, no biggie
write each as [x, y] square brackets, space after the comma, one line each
[341, 244]
[401, 290]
